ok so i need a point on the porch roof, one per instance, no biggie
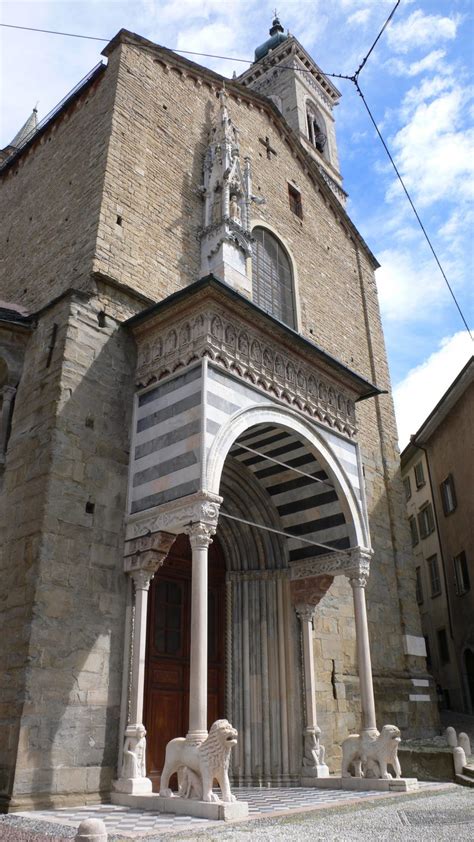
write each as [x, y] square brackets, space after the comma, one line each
[211, 287]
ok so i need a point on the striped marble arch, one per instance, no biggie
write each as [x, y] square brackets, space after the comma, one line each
[177, 424]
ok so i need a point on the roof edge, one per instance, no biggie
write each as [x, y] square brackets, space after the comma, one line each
[364, 386]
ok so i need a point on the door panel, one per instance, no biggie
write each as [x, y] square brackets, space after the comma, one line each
[166, 711]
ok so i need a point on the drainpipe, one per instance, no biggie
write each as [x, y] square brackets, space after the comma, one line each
[445, 578]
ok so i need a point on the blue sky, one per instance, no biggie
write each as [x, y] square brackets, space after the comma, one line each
[418, 83]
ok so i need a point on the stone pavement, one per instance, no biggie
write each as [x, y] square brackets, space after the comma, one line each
[281, 814]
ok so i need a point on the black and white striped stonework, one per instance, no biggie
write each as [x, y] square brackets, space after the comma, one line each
[166, 458]
[306, 507]
[224, 397]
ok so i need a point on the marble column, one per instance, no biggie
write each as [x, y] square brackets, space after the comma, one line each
[358, 583]
[144, 556]
[200, 537]
[313, 758]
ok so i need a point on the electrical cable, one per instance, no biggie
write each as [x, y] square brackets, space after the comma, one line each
[285, 534]
[420, 223]
[354, 79]
[284, 465]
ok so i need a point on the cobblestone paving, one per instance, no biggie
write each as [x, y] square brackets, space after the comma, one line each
[122, 823]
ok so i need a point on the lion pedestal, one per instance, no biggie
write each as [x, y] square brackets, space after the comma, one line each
[197, 767]
[365, 761]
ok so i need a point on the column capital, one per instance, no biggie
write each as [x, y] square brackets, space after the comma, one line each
[359, 570]
[305, 611]
[142, 578]
[200, 534]
[8, 392]
[147, 553]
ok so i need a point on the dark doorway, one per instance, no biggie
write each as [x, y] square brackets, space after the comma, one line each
[166, 712]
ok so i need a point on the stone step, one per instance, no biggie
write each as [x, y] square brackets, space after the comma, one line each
[468, 770]
[464, 780]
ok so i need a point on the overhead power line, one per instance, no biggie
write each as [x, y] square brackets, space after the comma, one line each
[354, 78]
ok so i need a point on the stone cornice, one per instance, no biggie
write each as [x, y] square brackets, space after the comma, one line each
[209, 319]
[351, 563]
[175, 516]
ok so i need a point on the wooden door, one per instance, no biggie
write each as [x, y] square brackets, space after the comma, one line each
[166, 713]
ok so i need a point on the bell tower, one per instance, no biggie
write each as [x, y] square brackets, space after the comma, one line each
[285, 73]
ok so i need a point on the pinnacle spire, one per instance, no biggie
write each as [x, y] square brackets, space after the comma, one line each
[27, 130]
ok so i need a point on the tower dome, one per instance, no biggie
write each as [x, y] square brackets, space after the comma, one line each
[277, 36]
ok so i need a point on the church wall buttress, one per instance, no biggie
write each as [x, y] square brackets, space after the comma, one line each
[65, 489]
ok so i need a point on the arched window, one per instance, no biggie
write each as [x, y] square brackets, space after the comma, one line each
[316, 129]
[272, 278]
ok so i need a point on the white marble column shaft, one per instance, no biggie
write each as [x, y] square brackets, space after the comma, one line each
[199, 538]
[306, 613]
[363, 654]
[141, 581]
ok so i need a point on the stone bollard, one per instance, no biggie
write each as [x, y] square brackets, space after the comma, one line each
[91, 830]
[451, 737]
[459, 759]
[465, 743]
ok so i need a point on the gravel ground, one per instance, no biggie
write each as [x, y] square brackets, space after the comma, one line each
[447, 815]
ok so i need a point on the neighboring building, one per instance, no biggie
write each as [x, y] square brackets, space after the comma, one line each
[438, 475]
[203, 353]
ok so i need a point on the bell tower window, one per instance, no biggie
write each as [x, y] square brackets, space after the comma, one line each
[272, 277]
[316, 130]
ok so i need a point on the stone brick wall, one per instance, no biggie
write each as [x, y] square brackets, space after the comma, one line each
[50, 202]
[64, 594]
[124, 167]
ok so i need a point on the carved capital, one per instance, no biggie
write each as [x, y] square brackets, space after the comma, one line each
[147, 552]
[359, 571]
[200, 535]
[142, 578]
[305, 611]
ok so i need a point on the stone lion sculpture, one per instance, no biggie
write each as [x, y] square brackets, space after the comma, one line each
[370, 754]
[207, 761]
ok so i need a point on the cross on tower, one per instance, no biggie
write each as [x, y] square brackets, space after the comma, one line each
[268, 147]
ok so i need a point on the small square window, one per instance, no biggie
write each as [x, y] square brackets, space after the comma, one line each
[419, 475]
[414, 531]
[461, 574]
[294, 197]
[426, 522]
[407, 487]
[443, 646]
[448, 495]
[433, 569]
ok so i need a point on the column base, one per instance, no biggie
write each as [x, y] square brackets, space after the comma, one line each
[133, 786]
[195, 738]
[228, 811]
[320, 771]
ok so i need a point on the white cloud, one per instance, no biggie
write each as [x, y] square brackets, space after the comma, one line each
[434, 151]
[408, 288]
[420, 30]
[359, 18]
[419, 392]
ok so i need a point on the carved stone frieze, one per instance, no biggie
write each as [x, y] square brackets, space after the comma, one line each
[351, 563]
[174, 517]
[242, 350]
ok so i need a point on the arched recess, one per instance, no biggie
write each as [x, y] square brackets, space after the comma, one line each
[304, 447]
[316, 128]
[263, 674]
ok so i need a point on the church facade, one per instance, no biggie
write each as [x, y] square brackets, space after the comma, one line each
[202, 513]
